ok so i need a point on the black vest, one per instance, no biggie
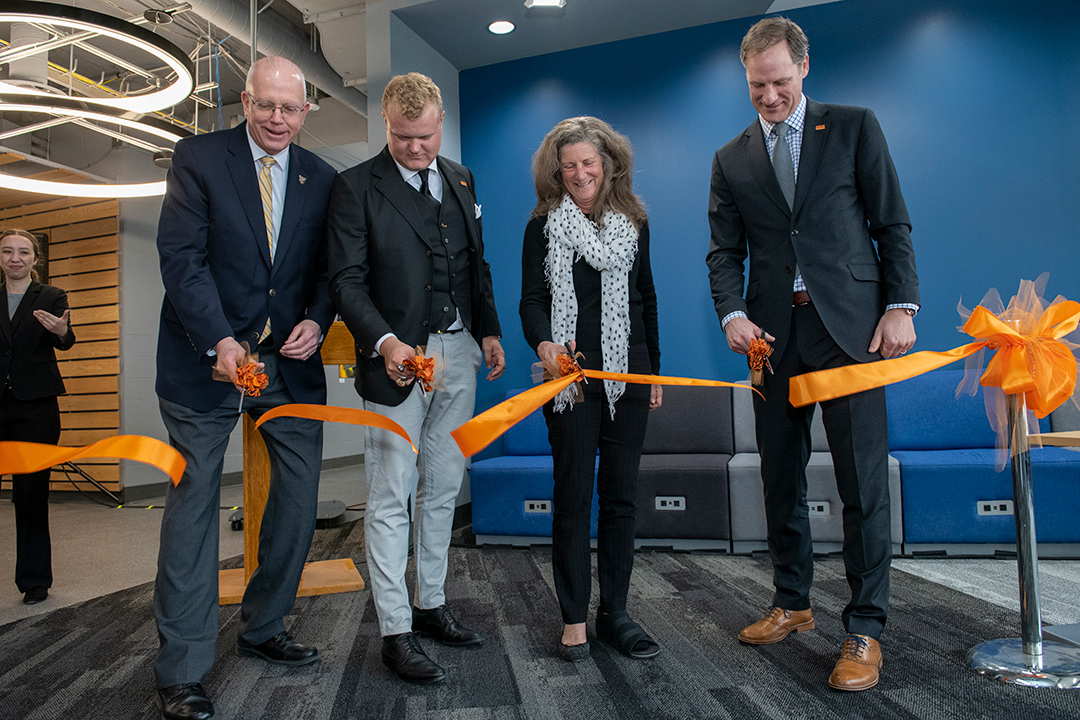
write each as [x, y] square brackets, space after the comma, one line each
[444, 230]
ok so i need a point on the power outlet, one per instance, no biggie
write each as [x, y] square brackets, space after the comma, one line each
[538, 506]
[994, 507]
[819, 507]
[670, 502]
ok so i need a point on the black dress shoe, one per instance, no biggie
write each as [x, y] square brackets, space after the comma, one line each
[35, 595]
[403, 654]
[184, 702]
[280, 649]
[440, 624]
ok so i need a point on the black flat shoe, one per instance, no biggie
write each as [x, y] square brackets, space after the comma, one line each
[280, 649]
[403, 654]
[441, 624]
[626, 635]
[184, 702]
[35, 595]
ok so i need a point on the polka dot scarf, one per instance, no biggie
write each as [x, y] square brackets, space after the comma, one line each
[611, 250]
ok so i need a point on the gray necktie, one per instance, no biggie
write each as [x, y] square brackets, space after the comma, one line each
[782, 165]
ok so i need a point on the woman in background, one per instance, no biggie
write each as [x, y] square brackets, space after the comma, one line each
[587, 287]
[33, 325]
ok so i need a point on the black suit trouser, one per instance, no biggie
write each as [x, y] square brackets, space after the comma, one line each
[575, 435]
[857, 430]
[31, 421]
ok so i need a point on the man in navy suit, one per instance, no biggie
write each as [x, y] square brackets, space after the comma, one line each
[407, 268]
[243, 259]
[810, 194]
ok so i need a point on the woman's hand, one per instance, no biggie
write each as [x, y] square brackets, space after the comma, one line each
[548, 352]
[55, 325]
[656, 397]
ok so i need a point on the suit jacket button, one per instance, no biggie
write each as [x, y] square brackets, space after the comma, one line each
[788, 269]
[273, 292]
[428, 288]
[254, 336]
[794, 233]
[425, 323]
[429, 253]
[446, 309]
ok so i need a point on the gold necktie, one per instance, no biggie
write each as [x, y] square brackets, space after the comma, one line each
[267, 192]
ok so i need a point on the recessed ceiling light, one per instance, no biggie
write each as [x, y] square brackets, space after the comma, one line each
[544, 3]
[501, 27]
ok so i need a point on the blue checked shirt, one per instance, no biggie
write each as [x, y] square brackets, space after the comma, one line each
[795, 123]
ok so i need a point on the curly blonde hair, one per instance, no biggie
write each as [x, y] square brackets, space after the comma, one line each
[411, 93]
[34, 243]
[616, 154]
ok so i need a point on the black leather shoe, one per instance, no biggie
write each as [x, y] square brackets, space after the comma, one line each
[440, 624]
[184, 702]
[403, 654]
[35, 595]
[280, 649]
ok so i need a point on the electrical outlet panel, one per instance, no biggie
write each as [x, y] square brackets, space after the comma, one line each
[819, 507]
[538, 506]
[994, 507]
[670, 502]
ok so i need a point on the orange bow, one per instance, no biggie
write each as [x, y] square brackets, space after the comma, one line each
[488, 426]
[252, 382]
[20, 458]
[330, 413]
[1037, 364]
[423, 368]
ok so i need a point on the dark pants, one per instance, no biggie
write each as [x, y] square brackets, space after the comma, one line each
[31, 421]
[186, 592]
[575, 434]
[857, 429]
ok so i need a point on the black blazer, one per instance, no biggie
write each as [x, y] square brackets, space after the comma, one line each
[849, 230]
[215, 265]
[381, 264]
[27, 349]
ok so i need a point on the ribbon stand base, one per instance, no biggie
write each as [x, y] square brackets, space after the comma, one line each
[319, 578]
[1026, 660]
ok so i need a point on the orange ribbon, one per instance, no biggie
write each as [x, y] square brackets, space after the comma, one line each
[423, 368]
[1038, 365]
[251, 382]
[20, 458]
[488, 426]
[330, 413]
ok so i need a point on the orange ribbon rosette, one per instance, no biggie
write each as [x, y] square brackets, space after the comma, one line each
[330, 413]
[1031, 357]
[423, 368]
[252, 382]
[20, 458]
[488, 426]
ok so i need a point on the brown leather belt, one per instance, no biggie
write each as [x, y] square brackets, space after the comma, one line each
[800, 298]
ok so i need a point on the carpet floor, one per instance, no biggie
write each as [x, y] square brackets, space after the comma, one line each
[94, 660]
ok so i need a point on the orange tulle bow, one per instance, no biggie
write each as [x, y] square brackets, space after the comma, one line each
[330, 413]
[488, 426]
[423, 368]
[251, 381]
[20, 458]
[758, 354]
[1032, 360]
[567, 365]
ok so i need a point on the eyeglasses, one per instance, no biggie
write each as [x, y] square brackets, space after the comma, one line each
[265, 107]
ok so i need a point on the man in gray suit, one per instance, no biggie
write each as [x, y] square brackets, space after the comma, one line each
[810, 193]
[406, 269]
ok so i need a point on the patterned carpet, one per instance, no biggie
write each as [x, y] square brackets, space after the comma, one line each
[94, 660]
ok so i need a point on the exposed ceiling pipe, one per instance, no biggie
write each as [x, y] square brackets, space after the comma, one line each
[277, 36]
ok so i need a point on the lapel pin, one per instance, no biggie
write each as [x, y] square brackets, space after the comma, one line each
[819, 127]
[463, 183]
[303, 179]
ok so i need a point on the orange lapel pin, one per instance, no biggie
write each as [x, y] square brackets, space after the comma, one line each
[819, 127]
[303, 179]
[463, 183]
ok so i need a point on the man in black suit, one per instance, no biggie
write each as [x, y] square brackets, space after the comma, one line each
[243, 258]
[809, 191]
[407, 269]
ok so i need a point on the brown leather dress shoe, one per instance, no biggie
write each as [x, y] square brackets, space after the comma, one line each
[777, 624]
[859, 665]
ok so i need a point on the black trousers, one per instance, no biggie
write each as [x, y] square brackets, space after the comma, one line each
[575, 435]
[31, 421]
[857, 429]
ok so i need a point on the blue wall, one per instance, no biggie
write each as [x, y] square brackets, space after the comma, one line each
[971, 94]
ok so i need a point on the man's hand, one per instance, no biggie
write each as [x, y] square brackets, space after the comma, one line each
[303, 341]
[230, 354]
[494, 357]
[549, 351]
[894, 335]
[55, 325]
[395, 353]
[740, 332]
[656, 397]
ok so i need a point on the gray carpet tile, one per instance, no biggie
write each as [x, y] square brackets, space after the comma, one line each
[95, 659]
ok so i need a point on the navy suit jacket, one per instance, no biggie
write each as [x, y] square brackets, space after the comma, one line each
[381, 264]
[27, 349]
[216, 267]
[848, 231]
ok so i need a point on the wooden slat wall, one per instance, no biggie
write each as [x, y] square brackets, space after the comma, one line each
[83, 260]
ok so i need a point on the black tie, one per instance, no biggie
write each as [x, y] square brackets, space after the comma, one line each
[424, 189]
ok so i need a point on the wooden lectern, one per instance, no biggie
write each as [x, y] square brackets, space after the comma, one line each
[319, 578]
